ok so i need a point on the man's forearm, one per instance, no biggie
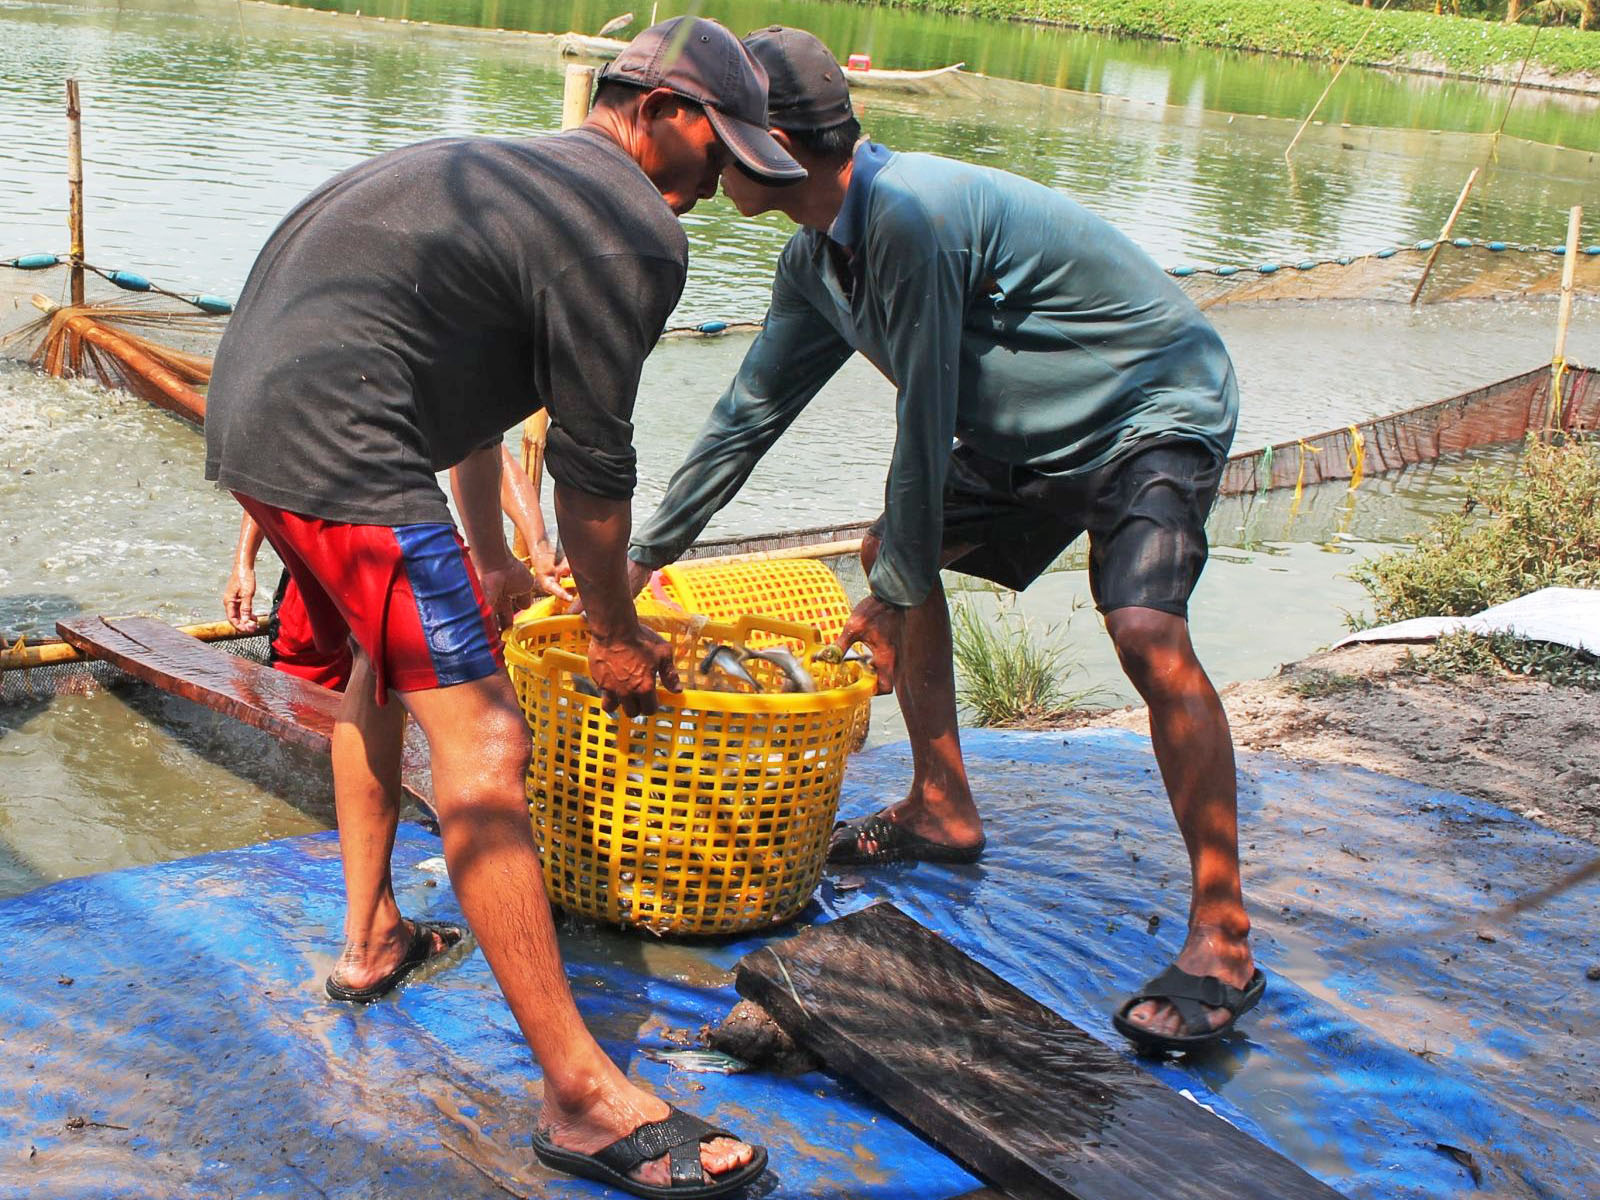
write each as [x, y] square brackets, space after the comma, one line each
[520, 500]
[475, 480]
[595, 531]
[249, 545]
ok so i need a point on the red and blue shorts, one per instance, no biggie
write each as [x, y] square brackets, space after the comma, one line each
[293, 649]
[408, 595]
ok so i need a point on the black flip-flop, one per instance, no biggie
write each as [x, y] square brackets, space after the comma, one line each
[679, 1137]
[895, 843]
[1193, 996]
[417, 953]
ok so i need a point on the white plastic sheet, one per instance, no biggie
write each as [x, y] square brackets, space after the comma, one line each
[1567, 616]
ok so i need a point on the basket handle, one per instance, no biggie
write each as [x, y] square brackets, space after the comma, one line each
[809, 636]
[578, 668]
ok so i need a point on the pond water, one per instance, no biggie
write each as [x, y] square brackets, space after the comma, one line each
[1159, 72]
[207, 121]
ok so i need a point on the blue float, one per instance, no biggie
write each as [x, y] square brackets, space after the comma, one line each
[35, 262]
[129, 281]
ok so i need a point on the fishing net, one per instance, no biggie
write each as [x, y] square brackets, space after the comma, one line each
[1463, 269]
[1501, 412]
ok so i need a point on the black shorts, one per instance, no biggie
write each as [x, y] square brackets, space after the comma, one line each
[1144, 511]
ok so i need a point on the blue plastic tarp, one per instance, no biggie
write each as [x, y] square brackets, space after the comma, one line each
[163, 1030]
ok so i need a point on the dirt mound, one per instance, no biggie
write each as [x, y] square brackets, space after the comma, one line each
[1520, 743]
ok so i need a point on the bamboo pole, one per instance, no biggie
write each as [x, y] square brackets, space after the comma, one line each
[1293, 142]
[75, 187]
[1558, 361]
[578, 88]
[19, 656]
[175, 395]
[1494, 142]
[838, 549]
[1444, 233]
[575, 95]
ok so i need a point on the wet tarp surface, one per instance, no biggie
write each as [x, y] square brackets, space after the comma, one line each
[163, 1031]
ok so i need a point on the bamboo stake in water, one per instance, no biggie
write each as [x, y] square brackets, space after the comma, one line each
[1444, 233]
[1288, 153]
[1494, 142]
[536, 429]
[1569, 270]
[75, 187]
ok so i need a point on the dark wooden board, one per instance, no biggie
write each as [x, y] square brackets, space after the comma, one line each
[291, 709]
[1018, 1094]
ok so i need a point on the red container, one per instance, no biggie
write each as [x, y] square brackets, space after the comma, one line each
[859, 62]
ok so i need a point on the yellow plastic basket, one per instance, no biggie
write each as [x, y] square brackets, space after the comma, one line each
[802, 590]
[712, 815]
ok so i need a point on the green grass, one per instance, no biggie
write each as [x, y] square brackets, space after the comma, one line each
[1008, 675]
[1327, 29]
[1463, 655]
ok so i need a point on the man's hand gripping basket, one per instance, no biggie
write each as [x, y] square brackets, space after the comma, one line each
[712, 815]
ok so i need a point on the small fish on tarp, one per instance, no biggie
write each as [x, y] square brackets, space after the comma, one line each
[799, 679]
[701, 1062]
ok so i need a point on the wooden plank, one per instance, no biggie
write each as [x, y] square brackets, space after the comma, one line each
[291, 709]
[1019, 1095]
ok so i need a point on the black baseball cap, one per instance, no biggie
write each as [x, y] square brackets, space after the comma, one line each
[806, 88]
[702, 61]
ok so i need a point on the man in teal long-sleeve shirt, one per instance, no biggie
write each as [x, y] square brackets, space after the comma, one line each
[1051, 380]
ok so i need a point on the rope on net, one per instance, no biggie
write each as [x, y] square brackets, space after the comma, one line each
[128, 281]
[1251, 281]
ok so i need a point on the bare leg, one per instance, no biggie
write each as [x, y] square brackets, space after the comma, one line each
[939, 805]
[479, 746]
[1189, 730]
[366, 792]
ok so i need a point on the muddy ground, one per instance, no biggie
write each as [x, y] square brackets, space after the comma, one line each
[1526, 745]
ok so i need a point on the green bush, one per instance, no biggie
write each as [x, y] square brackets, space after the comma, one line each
[1462, 654]
[1006, 675]
[1534, 525]
[1328, 29]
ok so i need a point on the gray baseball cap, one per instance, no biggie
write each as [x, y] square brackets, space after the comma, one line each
[702, 61]
[806, 87]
